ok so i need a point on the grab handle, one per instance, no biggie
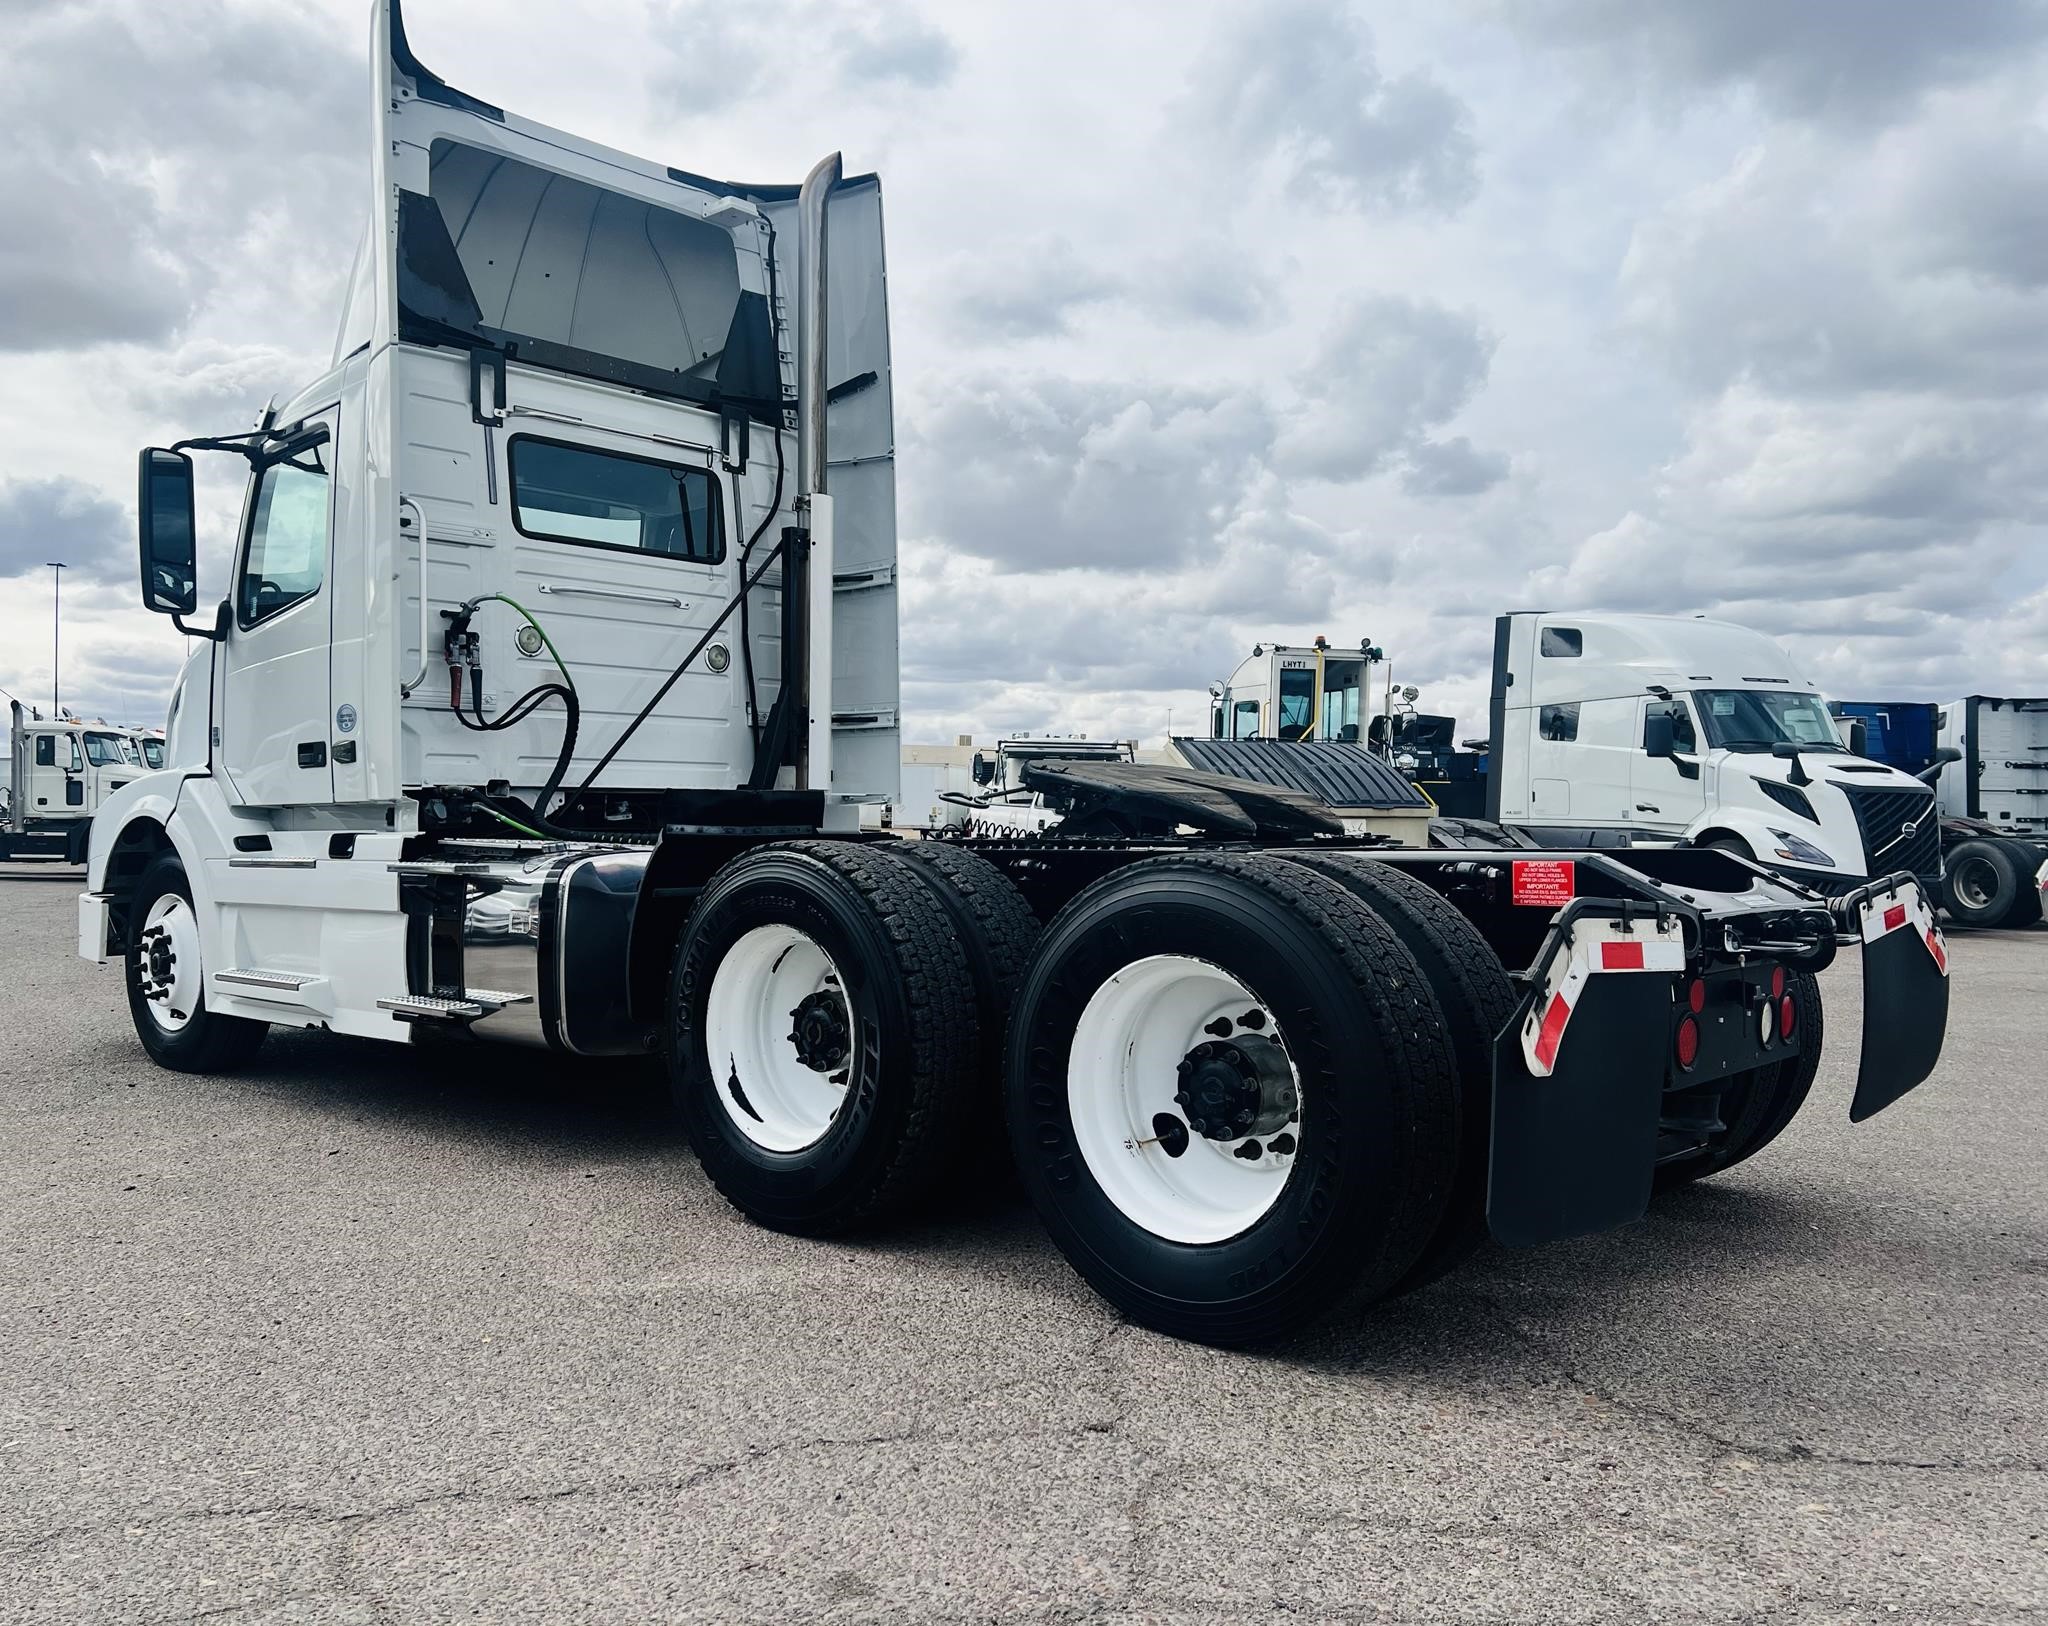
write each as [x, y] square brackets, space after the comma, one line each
[411, 522]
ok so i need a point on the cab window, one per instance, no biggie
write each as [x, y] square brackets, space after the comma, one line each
[1562, 641]
[1558, 722]
[1245, 720]
[565, 493]
[1683, 739]
[46, 750]
[287, 556]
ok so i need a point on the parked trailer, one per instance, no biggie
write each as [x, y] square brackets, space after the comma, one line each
[1987, 760]
[1251, 1072]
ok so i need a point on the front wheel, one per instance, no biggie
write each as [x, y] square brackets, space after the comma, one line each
[166, 981]
[1232, 1096]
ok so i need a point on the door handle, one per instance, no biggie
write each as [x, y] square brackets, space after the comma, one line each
[669, 599]
[1648, 807]
[313, 754]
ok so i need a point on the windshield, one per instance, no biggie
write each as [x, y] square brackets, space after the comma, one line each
[1297, 702]
[1757, 719]
[104, 750]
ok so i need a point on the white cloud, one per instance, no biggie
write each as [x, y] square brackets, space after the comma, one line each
[1298, 84]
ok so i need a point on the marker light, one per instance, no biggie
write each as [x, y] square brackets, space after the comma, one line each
[1688, 1042]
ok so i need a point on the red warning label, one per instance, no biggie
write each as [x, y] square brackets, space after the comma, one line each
[1543, 883]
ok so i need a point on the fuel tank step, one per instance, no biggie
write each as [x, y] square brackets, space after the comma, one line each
[465, 1007]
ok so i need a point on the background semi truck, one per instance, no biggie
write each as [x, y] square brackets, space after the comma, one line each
[1690, 730]
[559, 658]
[59, 774]
[1987, 758]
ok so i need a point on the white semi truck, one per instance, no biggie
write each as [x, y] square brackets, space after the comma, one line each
[60, 772]
[1673, 729]
[560, 655]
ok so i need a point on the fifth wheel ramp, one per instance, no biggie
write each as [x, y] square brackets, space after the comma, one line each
[1365, 791]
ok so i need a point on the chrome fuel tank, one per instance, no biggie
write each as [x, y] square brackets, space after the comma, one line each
[551, 927]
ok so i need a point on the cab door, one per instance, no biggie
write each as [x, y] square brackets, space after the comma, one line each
[56, 776]
[273, 698]
[1668, 793]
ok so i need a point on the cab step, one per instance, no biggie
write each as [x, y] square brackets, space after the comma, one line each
[465, 1007]
[304, 990]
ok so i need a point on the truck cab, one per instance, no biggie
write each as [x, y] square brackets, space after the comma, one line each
[1691, 731]
[60, 773]
[1294, 692]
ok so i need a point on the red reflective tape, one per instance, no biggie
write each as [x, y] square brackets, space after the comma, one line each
[1543, 883]
[1621, 956]
[1934, 948]
[1551, 1034]
[1895, 917]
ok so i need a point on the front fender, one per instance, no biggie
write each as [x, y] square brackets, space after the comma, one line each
[154, 796]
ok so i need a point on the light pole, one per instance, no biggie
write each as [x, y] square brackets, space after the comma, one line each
[56, 630]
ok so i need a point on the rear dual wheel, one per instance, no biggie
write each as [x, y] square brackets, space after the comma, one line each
[828, 1006]
[1988, 885]
[1232, 1095]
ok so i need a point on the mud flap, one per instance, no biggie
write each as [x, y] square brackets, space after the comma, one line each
[1578, 1084]
[1905, 995]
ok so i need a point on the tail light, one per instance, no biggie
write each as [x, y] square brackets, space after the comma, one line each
[1696, 996]
[1777, 982]
[1688, 1042]
[1788, 1016]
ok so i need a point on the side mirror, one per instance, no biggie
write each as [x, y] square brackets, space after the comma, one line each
[1660, 735]
[984, 770]
[1947, 754]
[1859, 737]
[1788, 750]
[170, 548]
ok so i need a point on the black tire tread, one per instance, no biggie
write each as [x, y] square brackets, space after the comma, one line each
[1004, 922]
[1000, 934]
[931, 970]
[1477, 1000]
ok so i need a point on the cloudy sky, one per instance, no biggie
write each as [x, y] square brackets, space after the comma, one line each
[1214, 321]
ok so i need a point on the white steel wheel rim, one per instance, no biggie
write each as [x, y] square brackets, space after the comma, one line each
[1122, 1073]
[170, 939]
[781, 1103]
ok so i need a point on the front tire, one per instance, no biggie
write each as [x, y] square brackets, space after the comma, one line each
[166, 981]
[821, 1036]
[1232, 1095]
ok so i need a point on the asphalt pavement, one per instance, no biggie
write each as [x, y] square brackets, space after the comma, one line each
[371, 1334]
